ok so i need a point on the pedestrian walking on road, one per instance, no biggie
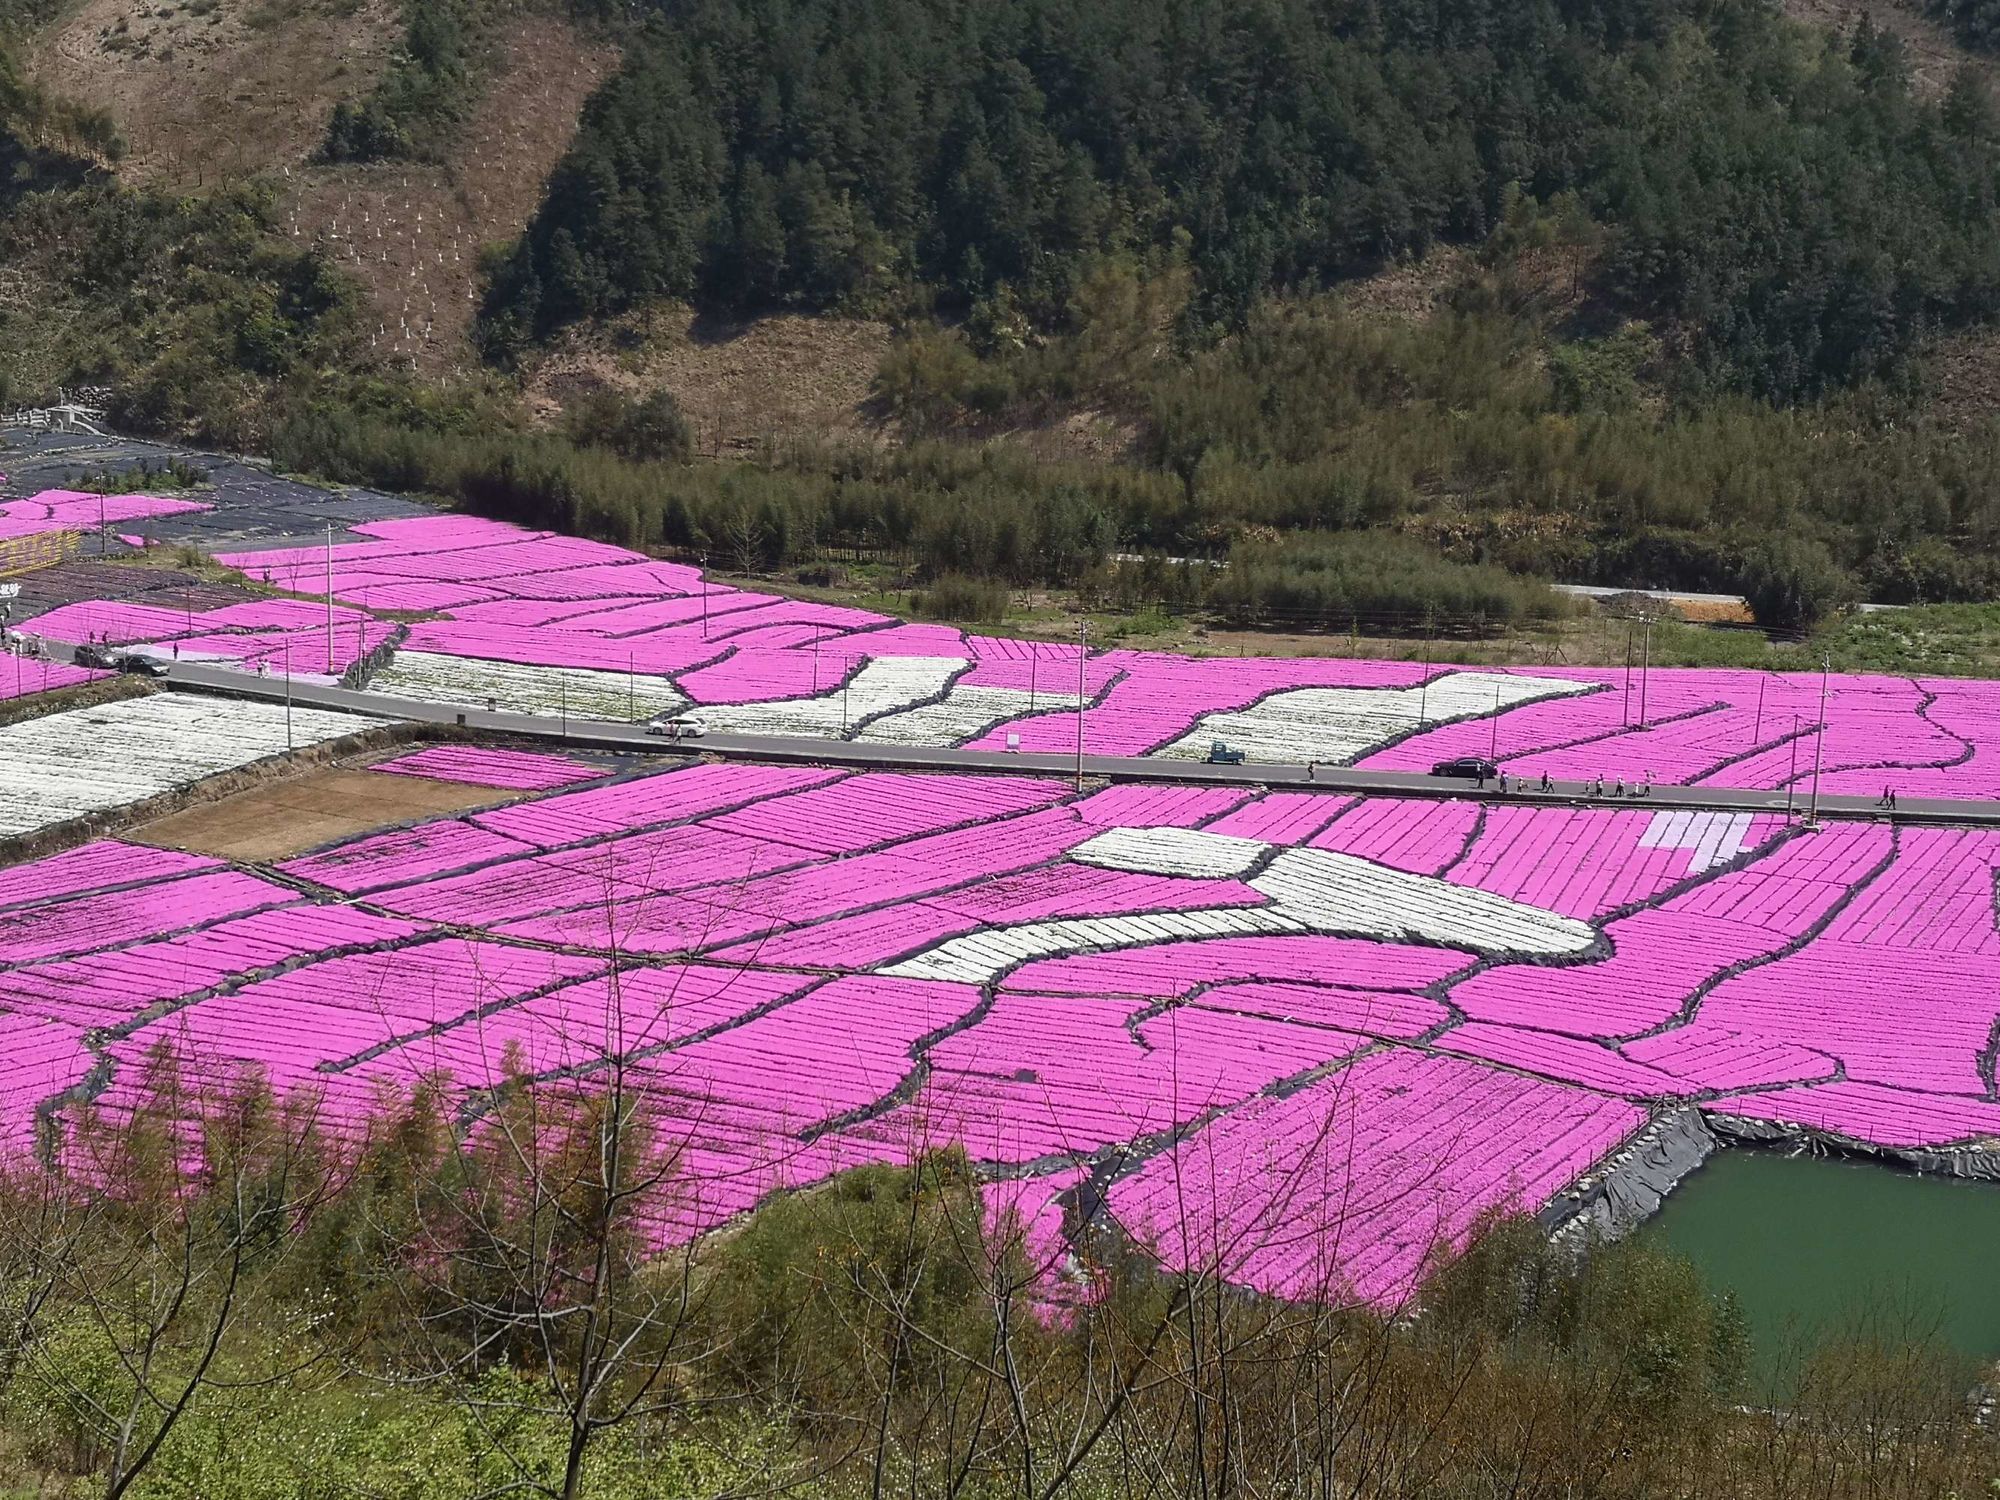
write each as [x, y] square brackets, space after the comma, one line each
[1312, 770]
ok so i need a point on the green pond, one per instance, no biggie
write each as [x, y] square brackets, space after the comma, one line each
[1808, 1243]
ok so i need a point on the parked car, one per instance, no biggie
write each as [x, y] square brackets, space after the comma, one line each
[1219, 754]
[678, 726]
[1470, 767]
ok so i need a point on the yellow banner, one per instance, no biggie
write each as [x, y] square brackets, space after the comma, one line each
[24, 554]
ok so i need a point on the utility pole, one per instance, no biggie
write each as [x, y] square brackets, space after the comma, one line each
[1082, 658]
[564, 681]
[632, 686]
[846, 676]
[704, 596]
[1625, 716]
[1757, 729]
[1792, 775]
[329, 599]
[1424, 686]
[1034, 660]
[1819, 741]
[1645, 667]
[101, 543]
[288, 695]
[1493, 746]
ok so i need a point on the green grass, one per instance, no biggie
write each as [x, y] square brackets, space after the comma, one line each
[1925, 640]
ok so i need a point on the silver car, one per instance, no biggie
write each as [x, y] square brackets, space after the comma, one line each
[678, 726]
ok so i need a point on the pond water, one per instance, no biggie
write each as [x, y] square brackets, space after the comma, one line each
[1808, 1243]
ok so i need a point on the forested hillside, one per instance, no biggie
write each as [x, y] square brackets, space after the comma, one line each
[1789, 203]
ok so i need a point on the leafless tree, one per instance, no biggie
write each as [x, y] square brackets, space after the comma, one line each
[544, 1236]
[155, 1228]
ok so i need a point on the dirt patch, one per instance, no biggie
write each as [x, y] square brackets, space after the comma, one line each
[1410, 290]
[208, 90]
[773, 383]
[1932, 53]
[1713, 612]
[413, 234]
[303, 812]
[1095, 435]
[1963, 374]
[744, 386]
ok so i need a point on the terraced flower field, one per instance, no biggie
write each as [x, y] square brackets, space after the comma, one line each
[1294, 1036]
[544, 624]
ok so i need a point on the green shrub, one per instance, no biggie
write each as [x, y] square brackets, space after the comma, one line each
[1793, 583]
[425, 90]
[650, 429]
[962, 599]
[1340, 581]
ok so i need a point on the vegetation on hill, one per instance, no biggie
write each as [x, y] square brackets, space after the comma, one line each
[1476, 437]
[407, 115]
[37, 131]
[192, 308]
[1976, 23]
[1789, 204]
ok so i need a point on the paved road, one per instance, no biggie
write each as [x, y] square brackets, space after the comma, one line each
[593, 734]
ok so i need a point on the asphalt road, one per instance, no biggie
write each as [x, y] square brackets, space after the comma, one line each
[594, 734]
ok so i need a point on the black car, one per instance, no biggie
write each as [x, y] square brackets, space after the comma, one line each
[1471, 767]
[142, 666]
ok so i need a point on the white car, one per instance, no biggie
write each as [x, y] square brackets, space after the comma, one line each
[678, 726]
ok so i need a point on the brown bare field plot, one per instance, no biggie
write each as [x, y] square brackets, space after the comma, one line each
[288, 817]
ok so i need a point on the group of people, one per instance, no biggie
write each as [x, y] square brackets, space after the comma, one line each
[1595, 787]
[1547, 784]
[1591, 788]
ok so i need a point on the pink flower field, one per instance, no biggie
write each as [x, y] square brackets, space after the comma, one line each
[1300, 1038]
[528, 618]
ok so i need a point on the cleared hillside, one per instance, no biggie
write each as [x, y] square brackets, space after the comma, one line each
[208, 90]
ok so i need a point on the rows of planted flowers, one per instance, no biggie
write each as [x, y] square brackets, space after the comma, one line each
[1296, 1035]
[545, 624]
